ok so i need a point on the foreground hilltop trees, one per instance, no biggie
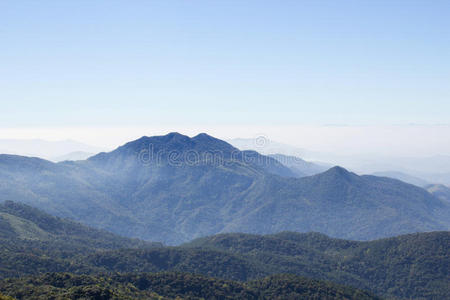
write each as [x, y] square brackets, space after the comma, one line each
[174, 285]
[3, 297]
[174, 188]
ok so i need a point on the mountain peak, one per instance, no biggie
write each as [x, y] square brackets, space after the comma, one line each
[165, 138]
[175, 134]
[177, 149]
[201, 139]
[172, 139]
[203, 136]
[163, 145]
[338, 171]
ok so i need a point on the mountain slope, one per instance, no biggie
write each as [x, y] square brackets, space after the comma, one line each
[174, 188]
[20, 221]
[32, 241]
[440, 191]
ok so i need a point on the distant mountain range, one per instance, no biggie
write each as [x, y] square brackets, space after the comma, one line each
[174, 188]
[34, 243]
[288, 155]
[403, 177]
[266, 146]
[300, 167]
[51, 150]
[438, 178]
[434, 169]
[76, 155]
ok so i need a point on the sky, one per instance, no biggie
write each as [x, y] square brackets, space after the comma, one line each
[339, 75]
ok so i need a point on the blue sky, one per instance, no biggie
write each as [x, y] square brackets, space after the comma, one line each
[138, 63]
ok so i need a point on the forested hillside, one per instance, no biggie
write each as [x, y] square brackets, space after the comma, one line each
[32, 241]
[408, 266]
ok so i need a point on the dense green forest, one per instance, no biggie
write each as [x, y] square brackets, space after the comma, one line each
[408, 266]
[32, 241]
[3, 297]
[173, 285]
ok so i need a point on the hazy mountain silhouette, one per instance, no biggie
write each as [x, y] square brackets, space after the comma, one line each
[51, 150]
[440, 191]
[403, 177]
[76, 155]
[300, 167]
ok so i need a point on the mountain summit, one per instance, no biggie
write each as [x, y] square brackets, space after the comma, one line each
[173, 188]
[171, 143]
[180, 150]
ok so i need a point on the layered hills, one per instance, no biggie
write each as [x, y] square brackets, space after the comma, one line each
[174, 188]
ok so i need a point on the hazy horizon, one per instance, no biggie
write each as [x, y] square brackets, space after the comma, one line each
[395, 140]
[332, 78]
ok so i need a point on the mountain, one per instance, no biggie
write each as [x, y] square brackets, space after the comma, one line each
[174, 286]
[177, 150]
[403, 177]
[300, 167]
[174, 188]
[342, 204]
